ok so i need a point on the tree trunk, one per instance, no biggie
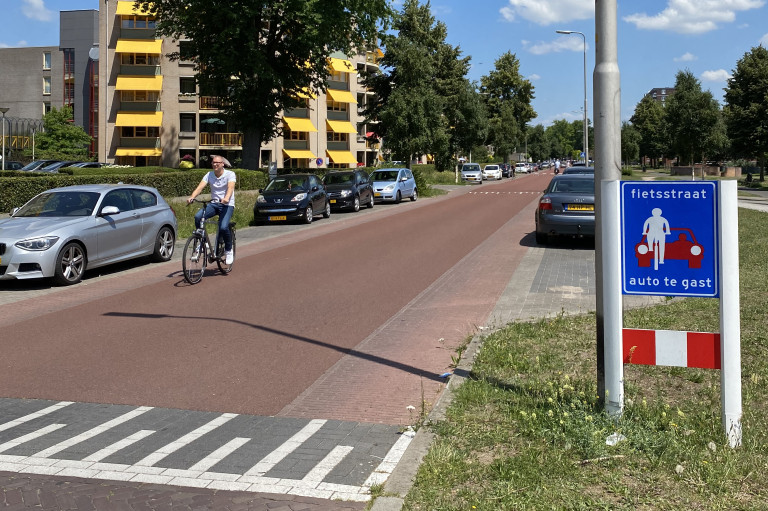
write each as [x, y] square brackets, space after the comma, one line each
[251, 149]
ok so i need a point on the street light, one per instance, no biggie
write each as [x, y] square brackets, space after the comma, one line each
[586, 126]
[3, 110]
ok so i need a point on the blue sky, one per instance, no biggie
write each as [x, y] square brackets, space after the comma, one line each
[656, 39]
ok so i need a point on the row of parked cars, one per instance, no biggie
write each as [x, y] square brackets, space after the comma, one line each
[303, 196]
[52, 166]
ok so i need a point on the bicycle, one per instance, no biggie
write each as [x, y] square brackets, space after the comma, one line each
[198, 251]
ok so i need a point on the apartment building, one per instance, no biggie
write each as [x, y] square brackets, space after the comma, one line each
[154, 115]
[661, 94]
[35, 79]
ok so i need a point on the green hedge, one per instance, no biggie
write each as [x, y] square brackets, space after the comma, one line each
[15, 191]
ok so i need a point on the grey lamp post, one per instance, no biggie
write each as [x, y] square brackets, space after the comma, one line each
[3, 110]
[586, 126]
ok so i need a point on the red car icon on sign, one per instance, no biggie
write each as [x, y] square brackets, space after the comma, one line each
[684, 248]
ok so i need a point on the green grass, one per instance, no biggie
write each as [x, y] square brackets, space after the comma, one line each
[527, 431]
[185, 214]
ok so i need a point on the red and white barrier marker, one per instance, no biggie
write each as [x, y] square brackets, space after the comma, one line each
[671, 348]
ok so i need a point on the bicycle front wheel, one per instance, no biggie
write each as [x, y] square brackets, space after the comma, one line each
[223, 266]
[194, 260]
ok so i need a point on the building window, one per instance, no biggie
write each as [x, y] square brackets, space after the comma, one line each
[294, 135]
[47, 85]
[140, 132]
[334, 106]
[337, 137]
[187, 122]
[138, 22]
[47, 60]
[185, 50]
[132, 96]
[69, 61]
[187, 85]
[139, 59]
[46, 107]
[295, 163]
[338, 76]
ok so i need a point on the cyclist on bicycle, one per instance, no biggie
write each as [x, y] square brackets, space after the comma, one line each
[222, 183]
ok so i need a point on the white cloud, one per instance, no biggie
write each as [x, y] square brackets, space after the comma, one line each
[36, 10]
[534, 77]
[717, 75]
[693, 16]
[564, 43]
[764, 40]
[686, 57]
[547, 12]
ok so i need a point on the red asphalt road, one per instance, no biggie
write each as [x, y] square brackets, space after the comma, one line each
[253, 341]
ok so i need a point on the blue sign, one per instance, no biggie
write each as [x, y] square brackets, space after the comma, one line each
[669, 239]
[319, 161]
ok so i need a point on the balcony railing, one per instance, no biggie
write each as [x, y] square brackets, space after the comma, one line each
[212, 103]
[221, 139]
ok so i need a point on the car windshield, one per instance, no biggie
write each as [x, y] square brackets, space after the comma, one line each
[470, 168]
[287, 184]
[573, 186]
[338, 179]
[385, 175]
[60, 204]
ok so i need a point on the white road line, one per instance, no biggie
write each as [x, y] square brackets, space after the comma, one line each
[121, 444]
[31, 416]
[30, 436]
[219, 454]
[185, 440]
[290, 445]
[45, 453]
[322, 469]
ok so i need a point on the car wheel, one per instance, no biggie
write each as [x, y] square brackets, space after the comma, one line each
[327, 211]
[164, 245]
[398, 197]
[356, 204]
[370, 202]
[415, 195]
[541, 238]
[70, 265]
[308, 214]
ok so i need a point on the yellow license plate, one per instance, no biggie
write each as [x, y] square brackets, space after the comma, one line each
[333, 201]
[377, 194]
[580, 207]
[276, 218]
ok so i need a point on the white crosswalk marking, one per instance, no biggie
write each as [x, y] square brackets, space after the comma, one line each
[29, 436]
[290, 445]
[219, 454]
[45, 453]
[119, 445]
[31, 416]
[322, 469]
[185, 440]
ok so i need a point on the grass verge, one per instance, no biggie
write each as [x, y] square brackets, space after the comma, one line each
[526, 431]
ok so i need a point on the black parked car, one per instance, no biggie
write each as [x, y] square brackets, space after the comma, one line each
[292, 197]
[36, 165]
[348, 189]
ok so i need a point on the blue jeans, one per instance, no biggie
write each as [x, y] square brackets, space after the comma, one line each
[225, 216]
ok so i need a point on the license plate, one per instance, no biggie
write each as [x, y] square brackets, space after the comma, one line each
[276, 218]
[580, 207]
[377, 194]
[333, 201]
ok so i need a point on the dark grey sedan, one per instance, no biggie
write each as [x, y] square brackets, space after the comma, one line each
[292, 197]
[567, 208]
[64, 231]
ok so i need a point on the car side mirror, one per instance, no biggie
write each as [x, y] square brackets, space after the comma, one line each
[109, 210]
[261, 190]
[14, 210]
[315, 188]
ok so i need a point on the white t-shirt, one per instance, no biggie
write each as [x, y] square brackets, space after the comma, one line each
[219, 185]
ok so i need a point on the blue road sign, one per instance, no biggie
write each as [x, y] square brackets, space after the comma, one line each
[669, 239]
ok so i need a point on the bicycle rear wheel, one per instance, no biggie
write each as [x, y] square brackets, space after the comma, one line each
[194, 259]
[220, 251]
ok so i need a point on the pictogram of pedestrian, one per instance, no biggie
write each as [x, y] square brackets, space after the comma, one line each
[656, 229]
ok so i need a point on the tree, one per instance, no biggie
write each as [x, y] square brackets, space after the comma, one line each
[259, 56]
[61, 138]
[630, 143]
[692, 118]
[508, 98]
[561, 135]
[746, 110]
[539, 146]
[650, 124]
[420, 76]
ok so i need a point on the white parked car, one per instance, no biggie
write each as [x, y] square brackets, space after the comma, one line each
[522, 167]
[492, 172]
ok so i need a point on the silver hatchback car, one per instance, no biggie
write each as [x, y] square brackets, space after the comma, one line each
[64, 231]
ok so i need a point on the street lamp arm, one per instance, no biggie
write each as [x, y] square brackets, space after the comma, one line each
[586, 122]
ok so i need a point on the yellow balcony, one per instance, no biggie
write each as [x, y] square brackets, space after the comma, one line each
[221, 139]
